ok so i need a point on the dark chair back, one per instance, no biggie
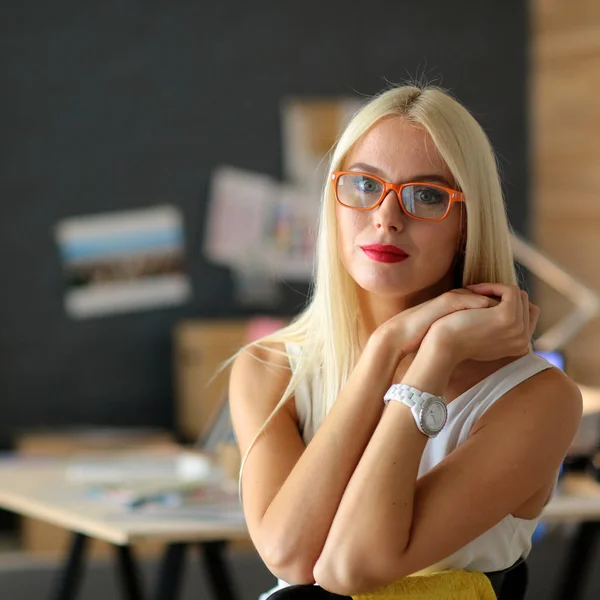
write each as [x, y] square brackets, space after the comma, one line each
[515, 582]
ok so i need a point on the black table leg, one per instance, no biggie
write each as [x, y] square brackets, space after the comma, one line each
[171, 571]
[217, 571]
[573, 580]
[132, 588]
[70, 576]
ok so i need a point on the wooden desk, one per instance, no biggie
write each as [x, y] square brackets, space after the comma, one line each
[578, 499]
[41, 490]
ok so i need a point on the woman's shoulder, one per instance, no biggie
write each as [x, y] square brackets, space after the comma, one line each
[548, 394]
[259, 378]
[553, 383]
[260, 375]
[262, 362]
[546, 378]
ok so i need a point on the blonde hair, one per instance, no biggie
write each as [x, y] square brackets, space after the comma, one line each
[326, 330]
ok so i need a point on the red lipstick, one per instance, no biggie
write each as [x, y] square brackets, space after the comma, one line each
[384, 253]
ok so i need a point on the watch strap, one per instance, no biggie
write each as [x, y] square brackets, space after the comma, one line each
[406, 394]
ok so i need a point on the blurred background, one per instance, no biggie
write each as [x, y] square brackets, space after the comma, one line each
[159, 184]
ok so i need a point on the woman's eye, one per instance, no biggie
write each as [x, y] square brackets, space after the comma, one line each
[368, 186]
[428, 195]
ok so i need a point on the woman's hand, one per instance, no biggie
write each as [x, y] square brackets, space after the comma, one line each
[408, 328]
[490, 333]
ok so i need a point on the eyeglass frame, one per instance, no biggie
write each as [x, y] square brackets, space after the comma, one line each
[455, 195]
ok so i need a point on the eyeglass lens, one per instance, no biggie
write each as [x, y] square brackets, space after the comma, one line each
[422, 200]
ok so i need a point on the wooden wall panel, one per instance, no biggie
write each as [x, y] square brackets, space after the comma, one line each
[565, 116]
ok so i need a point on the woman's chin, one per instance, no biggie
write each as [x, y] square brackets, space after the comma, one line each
[380, 287]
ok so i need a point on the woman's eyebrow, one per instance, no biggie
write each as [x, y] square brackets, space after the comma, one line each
[433, 177]
[366, 168]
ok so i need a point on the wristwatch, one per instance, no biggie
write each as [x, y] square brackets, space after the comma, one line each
[429, 411]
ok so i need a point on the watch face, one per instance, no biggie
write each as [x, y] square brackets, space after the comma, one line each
[433, 415]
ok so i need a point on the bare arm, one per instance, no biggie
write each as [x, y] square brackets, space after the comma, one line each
[389, 524]
[291, 493]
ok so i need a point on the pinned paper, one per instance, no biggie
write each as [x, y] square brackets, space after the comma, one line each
[123, 261]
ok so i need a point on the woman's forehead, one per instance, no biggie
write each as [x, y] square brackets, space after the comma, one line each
[397, 150]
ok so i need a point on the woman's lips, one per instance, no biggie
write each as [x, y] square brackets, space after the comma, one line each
[384, 253]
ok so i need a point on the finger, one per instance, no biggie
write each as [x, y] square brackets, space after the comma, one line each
[489, 289]
[492, 301]
[464, 299]
[534, 314]
[525, 312]
[512, 302]
[464, 291]
[508, 294]
[510, 313]
[454, 301]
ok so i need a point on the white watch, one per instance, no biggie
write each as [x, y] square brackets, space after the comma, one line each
[429, 411]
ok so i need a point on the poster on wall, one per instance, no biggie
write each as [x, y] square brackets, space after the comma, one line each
[240, 202]
[310, 127]
[123, 261]
[258, 224]
[263, 229]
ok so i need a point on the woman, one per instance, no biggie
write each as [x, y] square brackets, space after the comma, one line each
[415, 286]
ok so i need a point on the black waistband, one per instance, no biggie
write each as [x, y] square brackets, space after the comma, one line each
[510, 583]
[496, 579]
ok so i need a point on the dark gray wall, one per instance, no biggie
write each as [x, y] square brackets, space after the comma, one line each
[114, 105]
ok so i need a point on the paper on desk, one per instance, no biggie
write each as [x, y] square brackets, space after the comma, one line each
[142, 496]
[198, 512]
[135, 466]
[132, 494]
[206, 503]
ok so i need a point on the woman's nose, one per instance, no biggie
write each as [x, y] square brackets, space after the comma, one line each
[389, 215]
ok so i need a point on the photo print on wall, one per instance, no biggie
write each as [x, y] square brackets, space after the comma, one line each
[123, 261]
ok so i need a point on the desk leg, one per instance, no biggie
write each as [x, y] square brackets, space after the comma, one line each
[129, 574]
[573, 580]
[171, 571]
[217, 571]
[70, 575]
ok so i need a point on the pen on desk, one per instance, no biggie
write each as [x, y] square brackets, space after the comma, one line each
[165, 499]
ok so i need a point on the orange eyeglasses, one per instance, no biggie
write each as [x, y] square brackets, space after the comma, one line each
[422, 201]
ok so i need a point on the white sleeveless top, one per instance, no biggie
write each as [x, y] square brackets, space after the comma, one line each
[510, 539]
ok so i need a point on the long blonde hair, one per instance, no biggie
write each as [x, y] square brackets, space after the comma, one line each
[326, 330]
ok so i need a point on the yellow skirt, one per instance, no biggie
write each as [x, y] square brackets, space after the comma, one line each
[444, 585]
